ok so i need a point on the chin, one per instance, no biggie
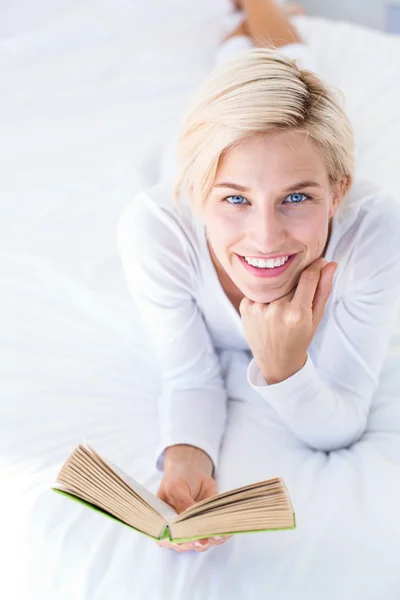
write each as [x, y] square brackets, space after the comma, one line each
[265, 296]
[261, 297]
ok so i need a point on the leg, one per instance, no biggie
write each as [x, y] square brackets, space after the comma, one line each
[291, 8]
[267, 23]
[240, 30]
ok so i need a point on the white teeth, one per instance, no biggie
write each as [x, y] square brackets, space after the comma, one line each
[266, 264]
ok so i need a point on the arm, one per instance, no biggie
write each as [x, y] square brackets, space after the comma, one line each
[158, 267]
[326, 403]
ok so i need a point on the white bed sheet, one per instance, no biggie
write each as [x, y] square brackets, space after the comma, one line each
[87, 88]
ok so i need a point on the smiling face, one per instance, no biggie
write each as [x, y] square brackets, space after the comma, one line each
[259, 209]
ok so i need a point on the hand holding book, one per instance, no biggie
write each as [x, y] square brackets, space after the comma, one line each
[187, 480]
[101, 485]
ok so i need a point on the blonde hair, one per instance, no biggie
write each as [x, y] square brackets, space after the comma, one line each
[260, 92]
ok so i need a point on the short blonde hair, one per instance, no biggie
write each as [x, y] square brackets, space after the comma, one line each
[260, 91]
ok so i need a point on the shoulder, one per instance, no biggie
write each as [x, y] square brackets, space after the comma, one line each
[373, 214]
[155, 234]
[154, 211]
[370, 224]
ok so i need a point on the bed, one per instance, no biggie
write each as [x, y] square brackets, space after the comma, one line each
[89, 91]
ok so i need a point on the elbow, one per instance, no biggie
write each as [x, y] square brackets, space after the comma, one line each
[336, 438]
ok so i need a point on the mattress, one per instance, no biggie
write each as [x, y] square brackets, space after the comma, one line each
[89, 90]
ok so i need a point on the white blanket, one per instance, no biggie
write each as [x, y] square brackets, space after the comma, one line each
[87, 88]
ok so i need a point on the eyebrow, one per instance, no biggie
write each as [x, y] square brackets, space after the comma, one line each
[241, 188]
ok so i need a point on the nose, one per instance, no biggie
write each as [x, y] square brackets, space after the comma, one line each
[267, 232]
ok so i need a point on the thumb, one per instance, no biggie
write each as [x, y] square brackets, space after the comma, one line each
[323, 292]
[183, 503]
[180, 498]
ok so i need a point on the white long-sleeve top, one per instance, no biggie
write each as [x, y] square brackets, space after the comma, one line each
[189, 318]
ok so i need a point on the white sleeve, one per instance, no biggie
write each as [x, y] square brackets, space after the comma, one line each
[156, 259]
[327, 405]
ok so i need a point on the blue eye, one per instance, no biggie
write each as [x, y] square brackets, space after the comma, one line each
[236, 199]
[298, 198]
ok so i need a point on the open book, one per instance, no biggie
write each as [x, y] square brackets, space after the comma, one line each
[261, 506]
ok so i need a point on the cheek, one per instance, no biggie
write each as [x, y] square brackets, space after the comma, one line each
[313, 232]
[322, 233]
[222, 231]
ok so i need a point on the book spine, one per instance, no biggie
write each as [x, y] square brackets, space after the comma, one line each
[166, 534]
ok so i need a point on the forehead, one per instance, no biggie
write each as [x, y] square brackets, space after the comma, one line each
[275, 156]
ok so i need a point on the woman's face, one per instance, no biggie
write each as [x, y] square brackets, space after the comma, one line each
[271, 198]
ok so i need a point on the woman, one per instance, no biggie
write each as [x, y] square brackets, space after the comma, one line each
[268, 210]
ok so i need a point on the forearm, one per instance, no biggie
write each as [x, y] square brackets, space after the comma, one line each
[184, 455]
[193, 418]
[323, 415]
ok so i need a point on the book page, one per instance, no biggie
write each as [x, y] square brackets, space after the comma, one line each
[262, 506]
[164, 509]
[112, 512]
[271, 487]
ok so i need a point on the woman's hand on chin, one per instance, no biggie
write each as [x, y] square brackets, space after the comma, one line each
[280, 333]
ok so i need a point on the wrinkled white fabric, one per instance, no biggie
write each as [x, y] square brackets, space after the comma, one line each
[87, 89]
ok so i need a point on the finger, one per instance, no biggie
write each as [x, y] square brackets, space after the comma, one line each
[201, 547]
[323, 291]
[185, 547]
[182, 504]
[174, 546]
[164, 544]
[244, 305]
[219, 540]
[201, 542]
[307, 285]
[188, 546]
[179, 499]
[181, 548]
[198, 545]
[214, 541]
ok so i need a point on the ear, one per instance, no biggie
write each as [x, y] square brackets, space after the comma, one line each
[338, 193]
